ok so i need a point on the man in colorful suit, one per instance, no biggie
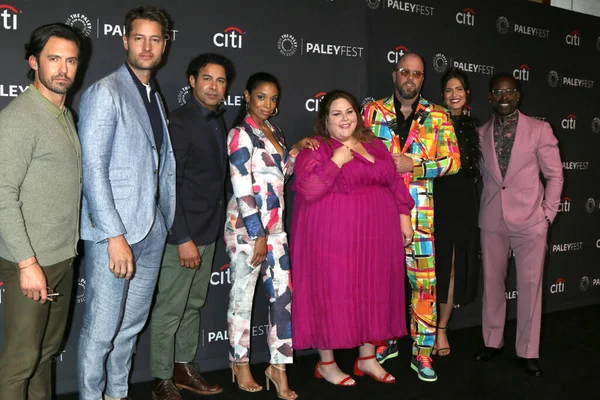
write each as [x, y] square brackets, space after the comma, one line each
[515, 212]
[421, 139]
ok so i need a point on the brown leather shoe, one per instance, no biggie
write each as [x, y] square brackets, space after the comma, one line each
[165, 389]
[186, 376]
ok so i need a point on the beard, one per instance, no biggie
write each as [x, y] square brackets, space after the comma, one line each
[143, 65]
[56, 87]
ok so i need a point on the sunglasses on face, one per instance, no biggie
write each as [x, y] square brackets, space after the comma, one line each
[507, 92]
[406, 72]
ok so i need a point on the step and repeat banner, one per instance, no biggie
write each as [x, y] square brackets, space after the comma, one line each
[314, 46]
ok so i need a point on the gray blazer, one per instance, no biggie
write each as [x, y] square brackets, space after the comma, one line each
[123, 182]
[40, 183]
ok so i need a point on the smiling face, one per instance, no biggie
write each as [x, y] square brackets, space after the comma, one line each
[145, 45]
[504, 96]
[341, 120]
[209, 85]
[262, 101]
[455, 96]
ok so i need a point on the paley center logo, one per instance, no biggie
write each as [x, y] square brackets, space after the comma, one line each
[555, 79]
[394, 55]
[596, 125]
[12, 90]
[441, 63]
[590, 205]
[9, 16]
[312, 104]
[80, 23]
[466, 17]
[573, 38]
[80, 293]
[288, 45]
[409, 7]
[504, 26]
[564, 205]
[218, 336]
[373, 4]
[558, 287]
[584, 284]
[576, 165]
[184, 94]
[522, 73]
[561, 248]
[230, 37]
[569, 122]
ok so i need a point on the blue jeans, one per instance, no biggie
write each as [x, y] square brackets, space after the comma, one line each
[116, 310]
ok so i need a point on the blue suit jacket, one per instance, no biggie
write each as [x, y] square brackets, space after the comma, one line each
[123, 183]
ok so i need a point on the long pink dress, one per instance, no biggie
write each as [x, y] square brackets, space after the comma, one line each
[346, 248]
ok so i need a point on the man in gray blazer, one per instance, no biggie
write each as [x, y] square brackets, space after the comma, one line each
[128, 205]
[40, 192]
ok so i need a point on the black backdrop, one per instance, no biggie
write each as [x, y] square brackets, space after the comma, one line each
[314, 46]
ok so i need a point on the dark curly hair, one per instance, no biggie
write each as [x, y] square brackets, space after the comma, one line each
[199, 62]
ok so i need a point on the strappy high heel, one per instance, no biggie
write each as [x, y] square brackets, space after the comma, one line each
[291, 394]
[347, 381]
[247, 386]
[387, 378]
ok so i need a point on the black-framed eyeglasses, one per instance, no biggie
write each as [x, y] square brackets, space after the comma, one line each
[507, 92]
[416, 74]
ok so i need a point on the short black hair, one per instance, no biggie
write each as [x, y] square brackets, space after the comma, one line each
[200, 61]
[149, 13]
[40, 36]
[504, 75]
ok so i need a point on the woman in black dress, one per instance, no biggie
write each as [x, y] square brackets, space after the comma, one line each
[456, 202]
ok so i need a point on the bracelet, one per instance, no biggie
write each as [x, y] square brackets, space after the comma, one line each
[33, 263]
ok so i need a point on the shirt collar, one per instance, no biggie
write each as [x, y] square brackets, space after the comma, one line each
[206, 112]
[50, 106]
[414, 104]
[511, 118]
[139, 83]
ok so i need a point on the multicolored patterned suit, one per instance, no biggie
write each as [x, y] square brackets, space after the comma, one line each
[258, 174]
[432, 145]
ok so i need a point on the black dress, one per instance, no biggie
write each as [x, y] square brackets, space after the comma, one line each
[456, 208]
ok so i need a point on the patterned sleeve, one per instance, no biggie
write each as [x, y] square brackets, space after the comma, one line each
[447, 159]
[240, 149]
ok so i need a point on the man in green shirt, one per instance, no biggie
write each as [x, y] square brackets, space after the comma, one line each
[40, 193]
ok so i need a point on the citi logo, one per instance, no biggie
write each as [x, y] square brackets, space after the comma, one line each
[394, 55]
[230, 37]
[558, 287]
[573, 38]
[522, 73]
[569, 122]
[564, 205]
[597, 245]
[466, 17]
[313, 104]
[9, 17]
[222, 276]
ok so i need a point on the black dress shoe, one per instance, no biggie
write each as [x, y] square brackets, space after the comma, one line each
[487, 353]
[531, 366]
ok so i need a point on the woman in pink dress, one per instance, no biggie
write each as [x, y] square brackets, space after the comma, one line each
[350, 224]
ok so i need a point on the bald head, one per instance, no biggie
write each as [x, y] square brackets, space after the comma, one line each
[408, 76]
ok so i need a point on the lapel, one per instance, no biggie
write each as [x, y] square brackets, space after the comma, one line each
[489, 150]
[518, 145]
[422, 111]
[132, 95]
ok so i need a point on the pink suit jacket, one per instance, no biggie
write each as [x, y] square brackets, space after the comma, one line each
[520, 198]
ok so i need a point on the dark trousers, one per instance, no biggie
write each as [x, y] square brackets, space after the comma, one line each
[33, 332]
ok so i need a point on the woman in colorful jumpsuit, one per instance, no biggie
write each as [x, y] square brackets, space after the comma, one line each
[254, 233]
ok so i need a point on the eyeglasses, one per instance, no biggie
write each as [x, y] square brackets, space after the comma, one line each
[406, 72]
[51, 294]
[507, 92]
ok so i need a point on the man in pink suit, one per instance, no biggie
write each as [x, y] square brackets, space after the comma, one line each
[515, 213]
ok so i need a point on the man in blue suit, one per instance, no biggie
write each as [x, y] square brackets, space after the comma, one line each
[128, 205]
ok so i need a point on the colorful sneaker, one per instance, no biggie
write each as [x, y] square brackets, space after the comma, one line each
[384, 353]
[422, 365]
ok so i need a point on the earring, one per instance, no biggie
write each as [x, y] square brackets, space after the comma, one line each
[246, 107]
[275, 112]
